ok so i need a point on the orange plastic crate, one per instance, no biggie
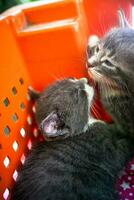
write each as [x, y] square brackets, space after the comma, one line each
[39, 43]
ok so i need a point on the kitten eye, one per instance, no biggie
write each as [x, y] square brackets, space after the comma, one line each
[90, 52]
[97, 49]
[107, 62]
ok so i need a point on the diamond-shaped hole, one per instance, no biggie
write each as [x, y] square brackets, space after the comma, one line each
[29, 144]
[15, 146]
[23, 132]
[6, 194]
[21, 81]
[23, 158]
[35, 132]
[29, 120]
[6, 162]
[7, 130]
[22, 106]
[15, 117]
[6, 102]
[14, 91]
[34, 109]
[15, 175]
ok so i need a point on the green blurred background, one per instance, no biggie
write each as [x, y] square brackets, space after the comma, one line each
[5, 4]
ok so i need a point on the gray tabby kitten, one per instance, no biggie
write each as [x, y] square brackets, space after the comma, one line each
[111, 62]
[85, 155]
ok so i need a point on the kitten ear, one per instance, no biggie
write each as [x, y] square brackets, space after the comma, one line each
[34, 94]
[122, 19]
[53, 126]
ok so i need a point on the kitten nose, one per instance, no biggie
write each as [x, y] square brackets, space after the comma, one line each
[84, 80]
[91, 62]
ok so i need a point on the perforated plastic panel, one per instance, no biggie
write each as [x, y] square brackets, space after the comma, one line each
[39, 43]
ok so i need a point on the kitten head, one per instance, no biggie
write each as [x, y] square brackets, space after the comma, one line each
[63, 109]
[113, 55]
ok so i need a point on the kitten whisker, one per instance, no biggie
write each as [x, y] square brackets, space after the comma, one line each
[111, 84]
[56, 78]
[95, 112]
[102, 24]
[125, 87]
[94, 29]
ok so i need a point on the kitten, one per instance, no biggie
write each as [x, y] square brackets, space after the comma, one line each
[83, 163]
[58, 102]
[111, 62]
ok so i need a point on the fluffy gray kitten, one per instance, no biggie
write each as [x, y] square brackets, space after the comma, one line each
[84, 156]
[111, 62]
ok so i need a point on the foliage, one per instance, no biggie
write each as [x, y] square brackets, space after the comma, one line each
[5, 4]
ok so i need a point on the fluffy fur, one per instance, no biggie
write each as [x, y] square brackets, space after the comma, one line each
[112, 66]
[82, 166]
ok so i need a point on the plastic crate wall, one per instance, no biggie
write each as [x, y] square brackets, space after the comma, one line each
[39, 43]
